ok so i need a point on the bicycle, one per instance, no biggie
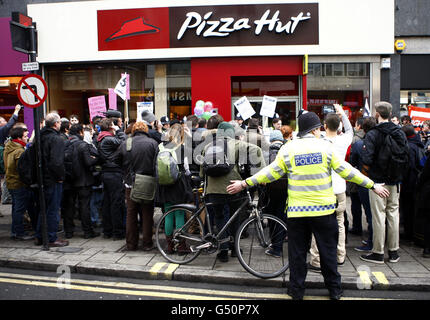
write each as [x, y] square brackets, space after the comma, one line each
[256, 235]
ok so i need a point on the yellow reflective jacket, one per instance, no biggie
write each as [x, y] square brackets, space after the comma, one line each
[308, 162]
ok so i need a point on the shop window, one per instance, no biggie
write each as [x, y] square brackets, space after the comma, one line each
[274, 86]
[179, 90]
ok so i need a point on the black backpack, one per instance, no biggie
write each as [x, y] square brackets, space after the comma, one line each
[215, 161]
[393, 157]
[27, 166]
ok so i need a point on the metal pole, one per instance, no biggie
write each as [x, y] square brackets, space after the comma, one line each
[36, 116]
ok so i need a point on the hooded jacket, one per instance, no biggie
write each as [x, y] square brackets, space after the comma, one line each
[373, 141]
[415, 144]
[12, 152]
[107, 146]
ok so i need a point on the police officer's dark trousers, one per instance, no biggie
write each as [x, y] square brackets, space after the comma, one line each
[325, 230]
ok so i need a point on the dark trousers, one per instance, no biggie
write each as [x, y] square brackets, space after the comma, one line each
[356, 212]
[427, 230]
[407, 211]
[53, 195]
[276, 207]
[365, 201]
[83, 196]
[113, 207]
[326, 232]
[22, 200]
[233, 202]
[146, 213]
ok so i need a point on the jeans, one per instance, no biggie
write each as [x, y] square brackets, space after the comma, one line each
[356, 212]
[364, 199]
[22, 199]
[96, 204]
[233, 202]
[53, 195]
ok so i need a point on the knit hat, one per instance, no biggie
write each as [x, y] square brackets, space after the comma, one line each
[307, 122]
[148, 117]
[225, 129]
[164, 120]
[276, 135]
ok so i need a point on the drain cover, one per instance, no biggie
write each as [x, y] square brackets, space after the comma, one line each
[69, 250]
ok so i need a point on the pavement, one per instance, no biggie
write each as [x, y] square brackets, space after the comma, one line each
[106, 257]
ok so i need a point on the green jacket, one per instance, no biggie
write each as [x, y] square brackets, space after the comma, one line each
[12, 152]
[242, 151]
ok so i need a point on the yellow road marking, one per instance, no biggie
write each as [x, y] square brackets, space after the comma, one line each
[157, 267]
[171, 268]
[364, 276]
[380, 276]
[192, 293]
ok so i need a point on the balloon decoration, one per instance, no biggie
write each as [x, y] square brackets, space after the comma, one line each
[208, 106]
[199, 108]
[206, 115]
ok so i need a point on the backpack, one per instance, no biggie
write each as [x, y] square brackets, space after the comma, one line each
[215, 161]
[2, 169]
[393, 158]
[27, 166]
[167, 168]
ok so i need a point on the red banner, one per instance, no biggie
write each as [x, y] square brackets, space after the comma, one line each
[418, 115]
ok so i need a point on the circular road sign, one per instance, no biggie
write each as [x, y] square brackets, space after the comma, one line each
[32, 91]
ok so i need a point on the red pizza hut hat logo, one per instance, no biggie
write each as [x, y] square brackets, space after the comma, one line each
[133, 28]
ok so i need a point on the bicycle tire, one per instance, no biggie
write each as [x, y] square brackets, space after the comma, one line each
[251, 251]
[162, 243]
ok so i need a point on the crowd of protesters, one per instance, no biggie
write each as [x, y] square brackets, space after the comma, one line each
[89, 172]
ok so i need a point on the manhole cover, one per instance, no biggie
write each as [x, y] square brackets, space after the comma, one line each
[69, 250]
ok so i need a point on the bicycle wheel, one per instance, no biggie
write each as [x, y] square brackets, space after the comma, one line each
[176, 247]
[261, 247]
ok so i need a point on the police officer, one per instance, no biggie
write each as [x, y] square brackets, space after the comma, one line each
[308, 162]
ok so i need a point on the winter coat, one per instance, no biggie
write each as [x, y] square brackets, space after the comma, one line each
[411, 178]
[373, 141]
[12, 152]
[140, 159]
[423, 188]
[108, 145]
[281, 185]
[52, 146]
[83, 163]
[4, 131]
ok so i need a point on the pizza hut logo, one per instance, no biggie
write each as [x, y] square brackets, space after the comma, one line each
[133, 27]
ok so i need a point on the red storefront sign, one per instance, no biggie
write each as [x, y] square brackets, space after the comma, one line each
[208, 26]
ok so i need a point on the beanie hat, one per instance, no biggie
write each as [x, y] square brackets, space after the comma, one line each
[307, 122]
[148, 117]
[276, 135]
[164, 120]
[225, 129]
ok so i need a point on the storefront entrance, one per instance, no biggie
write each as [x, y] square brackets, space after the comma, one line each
[287, 108]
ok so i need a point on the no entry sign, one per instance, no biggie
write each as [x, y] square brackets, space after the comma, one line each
[32, 91]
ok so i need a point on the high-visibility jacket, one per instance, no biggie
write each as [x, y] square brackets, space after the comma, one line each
[308, 162]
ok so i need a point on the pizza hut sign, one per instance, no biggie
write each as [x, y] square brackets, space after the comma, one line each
[208, 26]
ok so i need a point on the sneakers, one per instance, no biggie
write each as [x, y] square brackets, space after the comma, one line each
[222, 256]
[313, 268]
[364, 248]
[271, 252]
[22, 238]
[90, 235]
[426, 253]
[373, 257]
[393, 256]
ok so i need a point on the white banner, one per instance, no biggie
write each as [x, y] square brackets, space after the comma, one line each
[245, 108]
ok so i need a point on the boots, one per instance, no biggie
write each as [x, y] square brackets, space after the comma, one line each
[169, 245]
[183, 248]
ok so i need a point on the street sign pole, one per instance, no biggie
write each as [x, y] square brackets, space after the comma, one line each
[36, 116]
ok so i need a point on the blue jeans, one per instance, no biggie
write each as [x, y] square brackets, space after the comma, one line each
[53, 204]
[21, 201]
[364, 199]
[96, 204]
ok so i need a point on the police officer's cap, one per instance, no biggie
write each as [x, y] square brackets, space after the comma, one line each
[307, 122]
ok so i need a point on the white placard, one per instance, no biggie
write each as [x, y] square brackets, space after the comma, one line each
[30, 66]
[144, 106]
[245, 108]
[268, 107]
[121, 87]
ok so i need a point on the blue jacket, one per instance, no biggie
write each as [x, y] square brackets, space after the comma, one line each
[4, 131]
